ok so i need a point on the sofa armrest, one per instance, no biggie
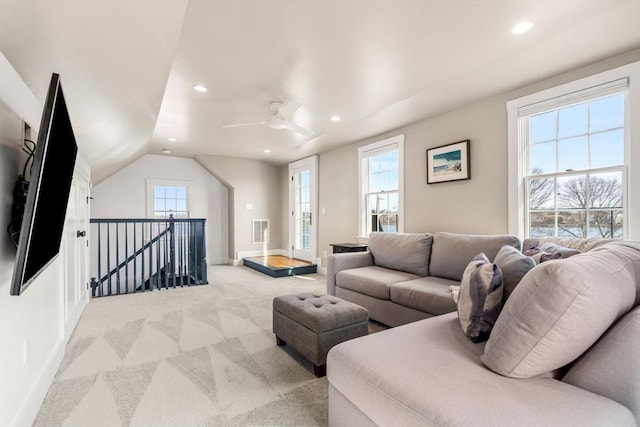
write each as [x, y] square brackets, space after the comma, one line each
[344, 261]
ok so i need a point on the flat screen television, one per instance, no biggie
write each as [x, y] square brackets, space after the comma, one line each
[46, 205]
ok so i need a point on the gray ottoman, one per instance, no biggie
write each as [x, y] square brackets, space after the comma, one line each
[313, 324]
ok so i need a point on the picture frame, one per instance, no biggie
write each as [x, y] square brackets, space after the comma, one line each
[450, 162]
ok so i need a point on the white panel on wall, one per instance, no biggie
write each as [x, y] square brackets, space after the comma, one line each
[260, 231]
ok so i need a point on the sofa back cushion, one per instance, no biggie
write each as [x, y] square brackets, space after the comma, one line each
[610, 368]
[453, 252]
[561, 308]
[409, 252]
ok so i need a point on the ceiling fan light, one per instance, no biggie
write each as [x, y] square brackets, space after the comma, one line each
[276, 122]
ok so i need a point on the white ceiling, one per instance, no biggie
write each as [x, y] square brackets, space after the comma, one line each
[128, 67]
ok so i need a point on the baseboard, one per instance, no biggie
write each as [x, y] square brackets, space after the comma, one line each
[27, 413]
[31, 406]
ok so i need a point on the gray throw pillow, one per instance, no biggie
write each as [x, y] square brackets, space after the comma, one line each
[529, 244]
[479, 298]
[557, 249]
[514, 265]
[560, 310]
[539, 256]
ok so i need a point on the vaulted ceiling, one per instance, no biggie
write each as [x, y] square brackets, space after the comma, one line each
[128, 67]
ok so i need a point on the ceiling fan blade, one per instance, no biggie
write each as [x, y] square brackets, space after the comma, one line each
[288, 109]
[298, 129]
[244, 124]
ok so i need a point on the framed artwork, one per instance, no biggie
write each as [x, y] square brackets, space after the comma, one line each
[449, 162]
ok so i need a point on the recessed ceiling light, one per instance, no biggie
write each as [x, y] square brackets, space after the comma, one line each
[522, 27]
[335, 118]
[267, 151]
[166, 151]
[172, 139]
[200, 88]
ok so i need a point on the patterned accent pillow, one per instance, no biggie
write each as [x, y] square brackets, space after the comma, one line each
[479, 298]
[540, 256]
[557, 249]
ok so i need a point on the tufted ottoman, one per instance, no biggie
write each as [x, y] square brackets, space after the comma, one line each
[313, 324]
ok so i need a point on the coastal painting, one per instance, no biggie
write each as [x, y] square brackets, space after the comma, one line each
[448, 162]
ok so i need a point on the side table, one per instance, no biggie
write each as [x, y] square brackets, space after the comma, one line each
[348, 247]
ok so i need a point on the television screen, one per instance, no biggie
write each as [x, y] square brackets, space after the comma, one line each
[46, 205]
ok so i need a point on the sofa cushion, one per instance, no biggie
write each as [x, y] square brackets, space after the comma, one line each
[479, 298]
[452, 252]
[373, 280]
[429, 294]
[402, 251]
[560, 309]
[427, 373]
[514, 265]
[611, 367]
[557, 249]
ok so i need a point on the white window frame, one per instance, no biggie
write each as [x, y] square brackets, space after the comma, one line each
[388, 144]
[571, 93]
[150, 196]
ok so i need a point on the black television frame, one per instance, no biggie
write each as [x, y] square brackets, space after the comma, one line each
[55, 111]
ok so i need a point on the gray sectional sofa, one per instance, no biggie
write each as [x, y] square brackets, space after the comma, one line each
[406, 277]
[564, 351]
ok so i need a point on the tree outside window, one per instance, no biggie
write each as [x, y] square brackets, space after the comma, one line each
[576, 157]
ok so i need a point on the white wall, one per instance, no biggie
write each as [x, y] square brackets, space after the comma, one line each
[124, 195]
[35, 319]
[477, 206]
[257, 194]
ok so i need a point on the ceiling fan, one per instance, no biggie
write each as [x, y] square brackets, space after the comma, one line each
[279, 118]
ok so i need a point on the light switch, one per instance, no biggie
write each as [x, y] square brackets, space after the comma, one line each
[248, 206]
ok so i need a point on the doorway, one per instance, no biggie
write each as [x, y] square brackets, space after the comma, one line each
[303, 202]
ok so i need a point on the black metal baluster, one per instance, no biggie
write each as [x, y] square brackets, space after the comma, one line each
[180, 249]
[99, 261]
[172, 251]
[158, 283]
[150, 256]
[117, 258]
[135, 259]
[126, 257]
[109, 258]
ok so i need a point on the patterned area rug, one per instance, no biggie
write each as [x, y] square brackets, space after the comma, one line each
[201, 356]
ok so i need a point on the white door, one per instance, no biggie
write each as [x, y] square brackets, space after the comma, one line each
[71, 255]
[303, 193]
[76, 253]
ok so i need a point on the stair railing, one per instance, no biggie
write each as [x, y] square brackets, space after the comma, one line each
[146, 254]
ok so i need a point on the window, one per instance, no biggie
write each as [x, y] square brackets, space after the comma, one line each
[381, 185]
[570, 158]
[170, 200]
[302, 206]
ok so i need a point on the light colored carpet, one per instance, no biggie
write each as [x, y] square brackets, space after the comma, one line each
[200, 356]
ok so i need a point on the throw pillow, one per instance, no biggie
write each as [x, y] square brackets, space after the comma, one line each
[557, 249]
[529, 244]
[539, 256]
[479, 298]
[514, 265]
[560, 310]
